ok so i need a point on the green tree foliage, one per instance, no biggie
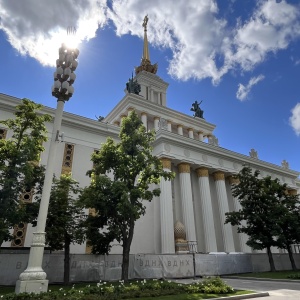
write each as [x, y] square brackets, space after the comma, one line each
[118, 199]
[63, 225]
[19, 170]
[268, 212]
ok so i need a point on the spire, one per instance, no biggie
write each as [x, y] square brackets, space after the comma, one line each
[146, 63]
[146, 49]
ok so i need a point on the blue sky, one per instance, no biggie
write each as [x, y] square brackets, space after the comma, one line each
[241, 57]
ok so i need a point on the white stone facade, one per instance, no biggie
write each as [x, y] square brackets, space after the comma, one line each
[199, 195]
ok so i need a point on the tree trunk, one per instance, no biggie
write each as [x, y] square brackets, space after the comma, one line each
[67, 261]
[271, 261]
[125, 260]
[291, 257]
[126, 250]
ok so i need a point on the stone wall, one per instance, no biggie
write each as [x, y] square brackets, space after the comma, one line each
[85, 267]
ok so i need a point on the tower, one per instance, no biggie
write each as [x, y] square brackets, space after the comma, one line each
[153, 88]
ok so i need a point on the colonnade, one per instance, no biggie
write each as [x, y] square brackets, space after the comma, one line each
[206, 213]
[192, 133]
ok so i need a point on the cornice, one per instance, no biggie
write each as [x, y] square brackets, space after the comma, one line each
[164, 136]
[8, 103]
[151, 78]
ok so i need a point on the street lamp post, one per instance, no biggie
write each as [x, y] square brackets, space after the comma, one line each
[33, 279]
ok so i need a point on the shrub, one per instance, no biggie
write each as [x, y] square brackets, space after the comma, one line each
[143, 288]
[294, 276]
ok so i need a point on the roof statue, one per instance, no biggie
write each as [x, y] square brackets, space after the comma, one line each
[198, 112]
[132, 86]
[253, 154]
[146, 63]
[285, 164]
[213, 140]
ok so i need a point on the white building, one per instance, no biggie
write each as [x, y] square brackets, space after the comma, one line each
[199, 195]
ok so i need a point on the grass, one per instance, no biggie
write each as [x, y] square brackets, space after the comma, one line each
[271, 275]
[194, 296]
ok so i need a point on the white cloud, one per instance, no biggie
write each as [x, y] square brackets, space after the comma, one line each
[244, 90]
[295, 119]
[189, 28]
[202, 43]
[37, 28]
[271, 28]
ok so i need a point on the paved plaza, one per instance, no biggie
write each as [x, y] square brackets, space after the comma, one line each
[278, 290]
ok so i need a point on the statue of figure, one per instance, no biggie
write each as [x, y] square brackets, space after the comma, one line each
[132, 86]
[285, 164]
[253, 154]
[145, 22]
[213, 140]
[99, 118]
[198, 112]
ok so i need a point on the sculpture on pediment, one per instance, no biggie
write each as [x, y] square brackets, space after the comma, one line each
[133, 87]
[285, 164]
[198, 112]
[99, 118]
[213, 140]
[253, 154]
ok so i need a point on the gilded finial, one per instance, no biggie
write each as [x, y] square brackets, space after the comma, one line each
[146, 63]
[145, 22]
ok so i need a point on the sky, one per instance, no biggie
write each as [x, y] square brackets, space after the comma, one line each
[240, 57]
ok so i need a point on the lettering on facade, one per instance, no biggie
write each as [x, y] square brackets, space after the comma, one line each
[159, 263]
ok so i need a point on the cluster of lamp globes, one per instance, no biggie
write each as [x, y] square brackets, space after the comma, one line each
[64, 75]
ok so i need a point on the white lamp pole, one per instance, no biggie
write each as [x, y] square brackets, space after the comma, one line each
[33, 279]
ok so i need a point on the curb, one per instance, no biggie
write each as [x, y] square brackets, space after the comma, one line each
[261, 279]
[241, 297]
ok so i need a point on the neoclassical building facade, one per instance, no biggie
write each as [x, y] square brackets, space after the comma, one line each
[193, 205]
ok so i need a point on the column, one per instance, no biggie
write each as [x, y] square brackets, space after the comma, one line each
[242, 237]
[292, 192]
[169, 125]
[179, 129]
[187, 201]
[226, 230]
[122, 118]
[152, 95]
[144, 119]
[156, 123]
[166, 212]
[129, 110]
[207, 212]
[164, 99]
[191, 133]
[209, 136]
[200, 133]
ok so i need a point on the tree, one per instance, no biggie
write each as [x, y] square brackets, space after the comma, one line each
[267, 209]
[19, 170]
[63, 225]
[289, 223]
[119, 201]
